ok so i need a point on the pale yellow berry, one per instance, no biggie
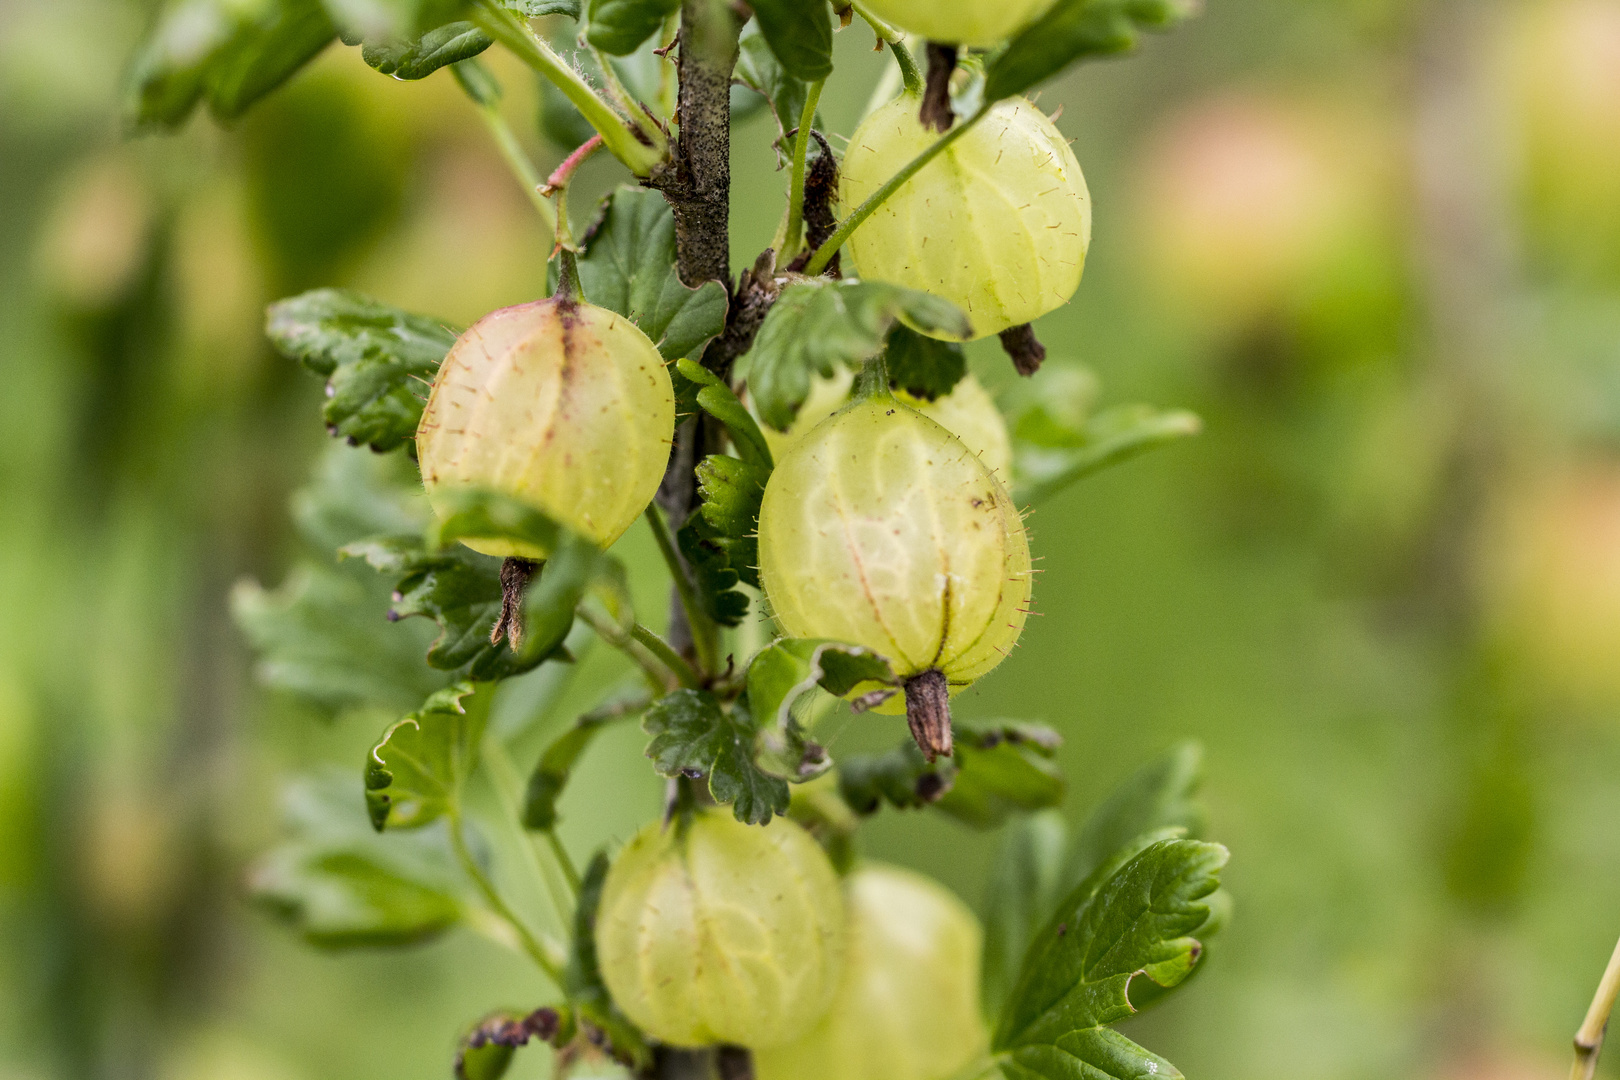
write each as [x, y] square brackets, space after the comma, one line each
[998, 223]
[907, 1006]
[560, 404]
[968, 412]
[880, 528]
[720, 932]
[961, 22]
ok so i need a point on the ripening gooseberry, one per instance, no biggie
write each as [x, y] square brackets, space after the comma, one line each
[558, 403]
[713, 931]
[998, 223]
[880, 528]
[907, 1006]
[961, 22]
[968, 412]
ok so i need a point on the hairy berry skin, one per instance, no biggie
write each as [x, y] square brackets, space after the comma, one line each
[880, 528]
[968, 412]
[907, 1006]
[721, 932]
[961, 22]
[558, 403]
[998, 223]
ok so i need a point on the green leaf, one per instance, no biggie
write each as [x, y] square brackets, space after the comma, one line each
[1003, 770]
[231, 53]
[1076, 979]
[341, 886]
[394, 20]
[760, 71]
[1023, 889]
[816, 325]
[459, 590]
[1074, 30]
[628, 266]
[323, 636]
[781, 674]
[618, 27]
[1057, 440]
[694, 736]
[417, 58]
[923, 367]
[378, 361]
[551, 774]
[993, 773]
[537, 9]
[415, 772]
[714, 397]
[719, 563]
[582, 979]
[799, 33]
[1160, 795]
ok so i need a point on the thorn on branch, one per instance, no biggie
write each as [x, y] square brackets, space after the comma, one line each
[1024, 348]
[936, 103]
[516, 574]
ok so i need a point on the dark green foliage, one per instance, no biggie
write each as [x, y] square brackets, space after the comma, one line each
[782, 674]
[1025, 883]
[993, 773]
[342, 886]
[417, 58]
[799, 33]
[618, 27]
[923, 367]
[378, 361]
[818, 325]
[760, 71]
[695, 736]
[1074, 30]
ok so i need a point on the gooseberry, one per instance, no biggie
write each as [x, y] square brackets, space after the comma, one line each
[880, 528]
[558, 403]
[998, 223]
[961, 22]
[907, 1006]
[712, 931]
[968, 412]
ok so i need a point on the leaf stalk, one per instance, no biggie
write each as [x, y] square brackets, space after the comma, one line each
[1589, 1039]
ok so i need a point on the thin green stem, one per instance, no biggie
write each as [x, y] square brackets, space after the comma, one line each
[512, 31]
[668, 85]
[659, 678]
[1589, 1039]
[824, 254]
[666, 653]
[795, 220]
[705, 635]
[558, 887]
[623, 98]
[565, 862]
[895, 38]
[498, 904]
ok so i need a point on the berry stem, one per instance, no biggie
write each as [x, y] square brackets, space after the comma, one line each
[794, 232]
[503, 776]
[626, 144]
[705, 635]
[818, 261]
[498, 904]
[895, 38]
[1589, 1039]
[500, 131]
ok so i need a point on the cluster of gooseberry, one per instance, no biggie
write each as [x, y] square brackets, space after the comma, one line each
[886, 523]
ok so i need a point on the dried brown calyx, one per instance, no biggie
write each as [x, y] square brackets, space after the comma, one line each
[1024, 348]
[928, 713]
[936, 103]
[516, 574]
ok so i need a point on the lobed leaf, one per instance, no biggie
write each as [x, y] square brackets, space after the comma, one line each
[417, 58]
[922, 366]
[719, 564]
[415, 772]
[341, 886]
[378, 361]
[694, 736]
[628, 266]
[799, 33]
[557, 762]
[1131, 918]
[710, 393]
[1074, 30]
[618, 27]
[818, 324]
[1160, 795]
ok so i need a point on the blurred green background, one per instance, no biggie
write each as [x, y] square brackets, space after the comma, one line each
[1374, 243]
